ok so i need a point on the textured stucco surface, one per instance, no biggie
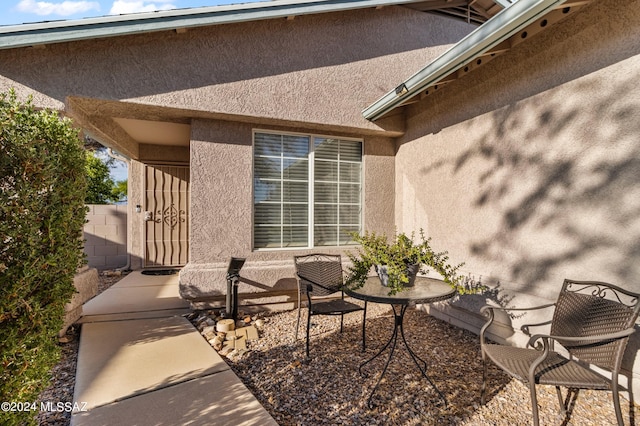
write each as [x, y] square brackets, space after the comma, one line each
[135, 220]
[222, 206]
[528, 168]
[320, 70]
[311, 74]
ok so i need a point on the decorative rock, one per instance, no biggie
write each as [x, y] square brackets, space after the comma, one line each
[227, 347]
[65, 339]
[251, 332]
[240, 343]
[216, 343]
[225, 325]
[259, 323]
[247, 320]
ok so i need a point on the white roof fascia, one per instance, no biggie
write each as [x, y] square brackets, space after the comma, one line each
[15, 36]
[497, 29]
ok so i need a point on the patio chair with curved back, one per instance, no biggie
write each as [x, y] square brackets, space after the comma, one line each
[592, 321]
[321, 275]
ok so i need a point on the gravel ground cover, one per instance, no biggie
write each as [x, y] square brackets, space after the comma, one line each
[329, 390]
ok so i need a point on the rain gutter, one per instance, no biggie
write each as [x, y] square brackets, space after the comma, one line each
[497, 29]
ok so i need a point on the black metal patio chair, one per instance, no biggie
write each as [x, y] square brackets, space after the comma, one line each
[320, 275]
[592, 321]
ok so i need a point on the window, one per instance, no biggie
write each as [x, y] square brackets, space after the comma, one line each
[307, 190]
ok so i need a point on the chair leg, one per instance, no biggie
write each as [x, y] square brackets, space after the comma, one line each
[483, 388]
[563, 406]
[341, 321]
[308, 328]
[616, 400]
[364, 320]
[298, 322]
[534, 403]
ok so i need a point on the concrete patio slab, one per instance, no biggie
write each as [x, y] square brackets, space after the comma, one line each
[134, 315]
[218, 399]
[137, 293]
[121, 359]
[140, 362]
[138, 279]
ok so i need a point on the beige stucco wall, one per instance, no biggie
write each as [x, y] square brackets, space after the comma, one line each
[222, 206]
[528, 169]
[135, 219]
[310, 74]
[320, 70]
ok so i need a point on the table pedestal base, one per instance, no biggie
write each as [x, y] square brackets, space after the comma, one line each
[422, 365]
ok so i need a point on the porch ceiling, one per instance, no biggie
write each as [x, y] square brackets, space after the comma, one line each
[156, 132]
[125, 126]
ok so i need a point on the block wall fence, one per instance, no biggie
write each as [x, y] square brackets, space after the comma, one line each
[105, 235]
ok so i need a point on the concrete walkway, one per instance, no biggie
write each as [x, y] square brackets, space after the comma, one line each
[141, 362]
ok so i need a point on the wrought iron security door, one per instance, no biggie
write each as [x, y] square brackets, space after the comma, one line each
[166, 215]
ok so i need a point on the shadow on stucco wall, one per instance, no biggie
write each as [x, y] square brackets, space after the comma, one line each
[543, 142]
[565, 175]
[560, 172]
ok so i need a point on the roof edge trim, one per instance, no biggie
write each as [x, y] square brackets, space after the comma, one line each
[499, 28]
[25, 35]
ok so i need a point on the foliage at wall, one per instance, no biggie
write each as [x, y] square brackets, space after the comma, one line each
[101, 189]
[119, 191]
[42, 212]
[99, 182]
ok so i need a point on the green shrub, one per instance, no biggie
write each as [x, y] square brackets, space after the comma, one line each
[42, 212]
[99, 182]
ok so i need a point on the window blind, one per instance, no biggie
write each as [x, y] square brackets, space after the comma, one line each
[307, 190]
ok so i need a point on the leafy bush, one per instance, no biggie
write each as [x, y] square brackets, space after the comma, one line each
[119, 191]
[101, 189]
[396, 256]
[42, 212]
[99, 182]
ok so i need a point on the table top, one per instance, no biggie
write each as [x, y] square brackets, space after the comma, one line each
[425, 290]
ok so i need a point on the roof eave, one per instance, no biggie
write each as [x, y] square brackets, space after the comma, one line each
[499, 28]
[25, 35]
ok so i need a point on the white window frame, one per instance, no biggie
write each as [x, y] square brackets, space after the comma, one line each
[311, 189]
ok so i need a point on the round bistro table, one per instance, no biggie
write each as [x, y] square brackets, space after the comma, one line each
[425, 290]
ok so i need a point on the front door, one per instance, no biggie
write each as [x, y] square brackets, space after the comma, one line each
[166, 215]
